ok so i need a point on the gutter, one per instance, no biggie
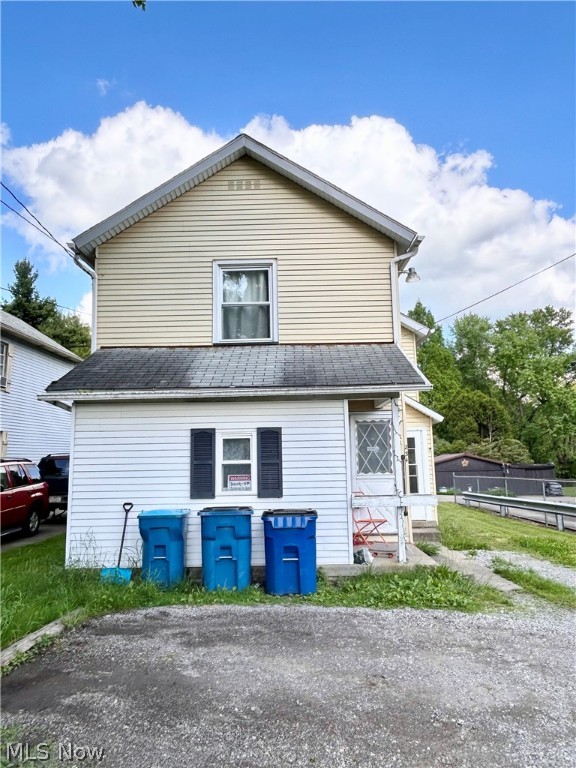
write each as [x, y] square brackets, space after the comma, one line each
[229, 393]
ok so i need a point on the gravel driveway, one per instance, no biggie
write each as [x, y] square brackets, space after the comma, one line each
[275, 686]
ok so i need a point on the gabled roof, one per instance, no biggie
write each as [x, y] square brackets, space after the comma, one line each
[420, 331]
[259, 370]
[13, 326]
[243, 145]
[434, 415]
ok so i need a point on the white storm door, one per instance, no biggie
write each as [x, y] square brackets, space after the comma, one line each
[417, 475]
[373, 463]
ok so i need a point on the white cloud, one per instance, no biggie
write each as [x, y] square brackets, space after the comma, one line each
[84, 308]
[5, 135]
[479, 238]
[104, 85]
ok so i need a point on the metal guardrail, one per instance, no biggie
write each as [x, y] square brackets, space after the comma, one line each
[560, 509]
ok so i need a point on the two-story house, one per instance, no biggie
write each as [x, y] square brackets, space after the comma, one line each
[250, 351]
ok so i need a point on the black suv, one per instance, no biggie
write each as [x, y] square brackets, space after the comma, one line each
[54, 470]
[24, 496]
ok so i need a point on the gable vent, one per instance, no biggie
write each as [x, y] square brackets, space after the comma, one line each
[241, 184]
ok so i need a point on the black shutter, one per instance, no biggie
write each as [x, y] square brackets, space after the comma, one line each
[202, 463]
[270, 463]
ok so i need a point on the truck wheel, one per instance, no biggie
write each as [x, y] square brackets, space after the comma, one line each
[32, 524]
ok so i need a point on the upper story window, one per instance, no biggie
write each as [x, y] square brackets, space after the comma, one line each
[4, 365]
[245, 308]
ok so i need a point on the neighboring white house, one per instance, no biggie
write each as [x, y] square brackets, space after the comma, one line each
[249, 351]
[30, 361]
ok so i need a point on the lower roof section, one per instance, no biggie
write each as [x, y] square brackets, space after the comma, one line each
[254, 370]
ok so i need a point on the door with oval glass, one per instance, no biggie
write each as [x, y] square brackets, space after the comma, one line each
[373, 463]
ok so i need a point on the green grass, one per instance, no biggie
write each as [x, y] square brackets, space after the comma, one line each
[428, 547]
[532, 582]
[422, 587]
[466, 528]
[37, 589]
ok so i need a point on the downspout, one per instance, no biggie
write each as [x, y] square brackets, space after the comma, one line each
[411, 251]
[398, 404]
[79, 261]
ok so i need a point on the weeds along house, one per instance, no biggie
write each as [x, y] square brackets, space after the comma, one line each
[249, 350]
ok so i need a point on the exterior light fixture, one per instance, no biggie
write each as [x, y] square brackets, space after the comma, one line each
[411, 275]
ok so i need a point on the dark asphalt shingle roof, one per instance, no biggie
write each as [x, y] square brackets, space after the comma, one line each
[242, 367]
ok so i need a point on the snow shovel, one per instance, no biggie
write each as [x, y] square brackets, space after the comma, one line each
[119, 575]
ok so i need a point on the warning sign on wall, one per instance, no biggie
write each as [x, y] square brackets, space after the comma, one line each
[239, 482]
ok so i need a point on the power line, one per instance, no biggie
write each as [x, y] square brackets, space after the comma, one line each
[77, 311]
[43, 230]
[505, 289]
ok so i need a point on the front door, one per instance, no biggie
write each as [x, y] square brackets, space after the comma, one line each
[373, 463]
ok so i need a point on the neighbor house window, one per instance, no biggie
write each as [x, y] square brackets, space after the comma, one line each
[245, 302]
[4, 364]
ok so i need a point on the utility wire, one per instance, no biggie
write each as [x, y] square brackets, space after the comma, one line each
[47, 234]
[505, 289]
[4, 186]
[76, 311]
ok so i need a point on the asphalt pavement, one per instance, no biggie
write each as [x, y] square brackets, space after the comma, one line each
[277, 686]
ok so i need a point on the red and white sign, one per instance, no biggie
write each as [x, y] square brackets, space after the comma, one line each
[239, 482]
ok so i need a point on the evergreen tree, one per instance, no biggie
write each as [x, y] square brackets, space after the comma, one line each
[43, 313]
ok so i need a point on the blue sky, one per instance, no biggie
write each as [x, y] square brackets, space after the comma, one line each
[487, 87]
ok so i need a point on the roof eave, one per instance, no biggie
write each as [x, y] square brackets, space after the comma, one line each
[233, 393]
[87, 242]
[63, 354]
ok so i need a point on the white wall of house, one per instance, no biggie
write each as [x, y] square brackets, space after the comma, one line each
[140, 452]
[33, 429]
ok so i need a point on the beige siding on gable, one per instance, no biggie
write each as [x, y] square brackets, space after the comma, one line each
[155, 279]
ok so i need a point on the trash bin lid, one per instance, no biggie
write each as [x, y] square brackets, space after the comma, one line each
[164, 513]
[225, 511]
[290, 513]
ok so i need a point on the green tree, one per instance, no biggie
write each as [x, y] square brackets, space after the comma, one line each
[507, 450]
[437, 363]
[43, 313]
[26, 302]
[472, 347]
[472, 416]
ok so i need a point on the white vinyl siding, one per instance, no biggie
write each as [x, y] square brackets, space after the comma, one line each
[33, 429]
[140, 452]
[155, 279]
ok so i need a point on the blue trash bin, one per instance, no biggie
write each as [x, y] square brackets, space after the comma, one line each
[163, 536]
[290, 549]
[226, 547]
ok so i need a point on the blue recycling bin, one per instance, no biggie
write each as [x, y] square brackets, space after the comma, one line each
[163, 535]
[290, 549]
[226, 547]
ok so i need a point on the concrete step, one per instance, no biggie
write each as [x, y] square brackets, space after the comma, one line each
[428, 533]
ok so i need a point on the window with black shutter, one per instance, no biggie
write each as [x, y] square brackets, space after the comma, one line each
[270, 462]
[203, 459]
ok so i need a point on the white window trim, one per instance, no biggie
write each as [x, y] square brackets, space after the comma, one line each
[224, 264]
[6, 373]
[226, 434]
